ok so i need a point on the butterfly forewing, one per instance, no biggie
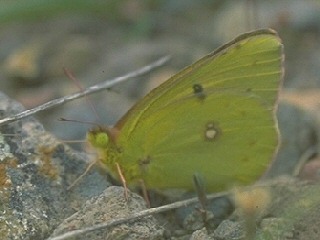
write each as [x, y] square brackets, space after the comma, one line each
[214, 118]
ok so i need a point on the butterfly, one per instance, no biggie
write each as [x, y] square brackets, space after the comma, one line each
[215, 118]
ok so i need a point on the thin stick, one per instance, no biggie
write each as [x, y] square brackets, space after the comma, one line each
[93, 89]
[133, 217]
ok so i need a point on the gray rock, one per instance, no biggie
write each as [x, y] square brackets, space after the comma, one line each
[110, 205]
[36, 170]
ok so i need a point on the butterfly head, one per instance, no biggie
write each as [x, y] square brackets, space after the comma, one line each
[99, 137]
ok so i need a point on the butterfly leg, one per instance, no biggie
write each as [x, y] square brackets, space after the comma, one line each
[201, 193]
[123, 181]
[75, 182]
[145, 193]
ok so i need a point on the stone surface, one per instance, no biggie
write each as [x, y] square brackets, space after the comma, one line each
[36, 170]
[111, 205]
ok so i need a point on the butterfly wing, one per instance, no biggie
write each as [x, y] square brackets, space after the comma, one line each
[214, 118]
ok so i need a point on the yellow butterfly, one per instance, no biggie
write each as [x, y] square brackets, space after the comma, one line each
[215, 118]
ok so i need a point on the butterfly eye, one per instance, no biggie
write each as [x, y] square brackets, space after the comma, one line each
[98, 139]
[102, 139]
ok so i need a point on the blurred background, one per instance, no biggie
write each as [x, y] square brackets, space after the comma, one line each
[100, 39]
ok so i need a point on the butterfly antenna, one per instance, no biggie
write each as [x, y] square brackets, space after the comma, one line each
[75, 182]
[78, 121]
[76, 81]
